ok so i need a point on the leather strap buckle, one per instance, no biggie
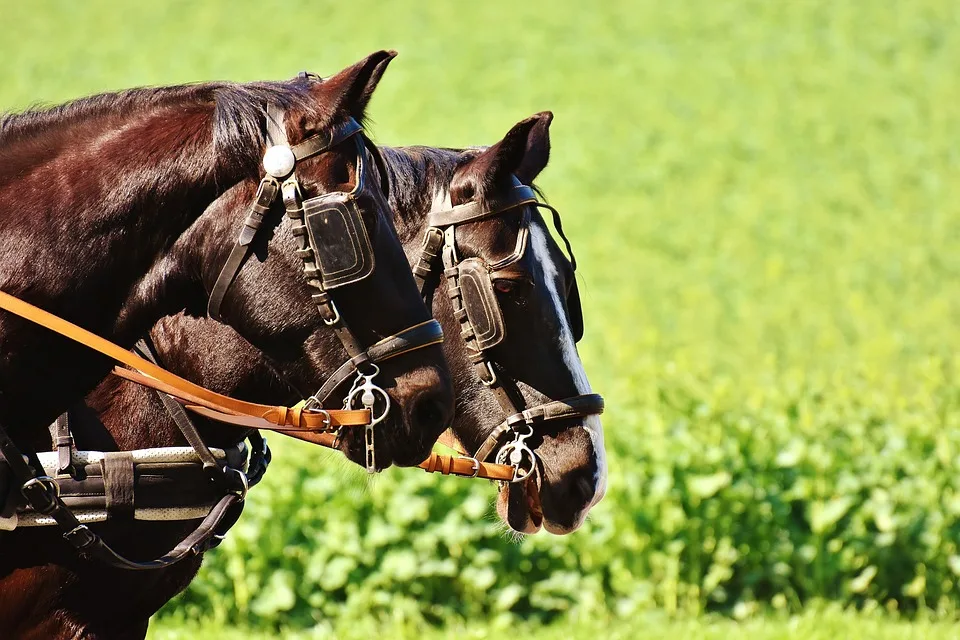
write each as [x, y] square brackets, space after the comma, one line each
[80, 537]
[43, 494]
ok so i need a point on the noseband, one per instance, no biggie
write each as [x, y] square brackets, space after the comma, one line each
[336, 250]
[482, 327]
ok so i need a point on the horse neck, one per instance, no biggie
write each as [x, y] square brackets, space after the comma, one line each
[89, 201]
[123, 414]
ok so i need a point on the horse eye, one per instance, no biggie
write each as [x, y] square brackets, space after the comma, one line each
[504, 286]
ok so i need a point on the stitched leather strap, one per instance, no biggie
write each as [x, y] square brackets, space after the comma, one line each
[467, 467]
[251, 415]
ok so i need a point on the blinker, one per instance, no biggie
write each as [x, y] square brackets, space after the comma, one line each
[339, 238]
[481, 303]
[341, 244]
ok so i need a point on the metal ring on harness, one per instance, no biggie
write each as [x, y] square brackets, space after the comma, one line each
[244, 487]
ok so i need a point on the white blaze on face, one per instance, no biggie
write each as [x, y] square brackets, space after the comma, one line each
[541, 253]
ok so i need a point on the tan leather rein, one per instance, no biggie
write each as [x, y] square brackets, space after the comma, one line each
[312, 425]
[292, 421]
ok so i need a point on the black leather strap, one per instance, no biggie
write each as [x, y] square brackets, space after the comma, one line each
[63, 440]
[118, 484]
[208, 534]
[473, 211]
[323, 141]
[182, 420]
[416, 337]
[266, 194]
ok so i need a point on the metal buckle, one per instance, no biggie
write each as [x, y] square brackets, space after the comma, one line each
[244, 483]
[476, 465]
[49, 483]
[336, 315]
[493, 376]
[327, 420]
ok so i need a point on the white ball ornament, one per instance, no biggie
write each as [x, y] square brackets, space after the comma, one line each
[278, 161]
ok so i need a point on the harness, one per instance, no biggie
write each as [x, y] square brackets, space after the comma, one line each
[336, 251]
[482, 326]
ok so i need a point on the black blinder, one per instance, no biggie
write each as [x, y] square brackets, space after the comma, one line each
[341, 244]
[575, 311]
[481, 304]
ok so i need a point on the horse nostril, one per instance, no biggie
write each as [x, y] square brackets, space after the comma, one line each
[583, 488]
[430, 414]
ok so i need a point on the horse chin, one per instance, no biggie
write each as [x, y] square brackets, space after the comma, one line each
[353, 446]
[518, 504]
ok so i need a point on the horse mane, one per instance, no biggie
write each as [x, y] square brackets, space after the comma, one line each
[417, 175]
[412, 167]
[238, 114]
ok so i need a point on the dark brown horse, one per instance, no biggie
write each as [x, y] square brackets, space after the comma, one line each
[95, 194]
[66, 597]
[532, 356]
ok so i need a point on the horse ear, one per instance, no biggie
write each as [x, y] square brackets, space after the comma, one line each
[537, 154]
[523, 152]
[350, 90]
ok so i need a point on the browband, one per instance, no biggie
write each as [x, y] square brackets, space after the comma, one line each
[320, 142]
[473, 211]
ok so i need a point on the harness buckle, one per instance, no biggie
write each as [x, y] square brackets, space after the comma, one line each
[475, 463]
[493, 376]
[49, 488]
[327, 420]
[244, 487]
[80, 537]
[336, 315]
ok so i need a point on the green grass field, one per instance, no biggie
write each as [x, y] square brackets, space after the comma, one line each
[764, 200]
[814, 625]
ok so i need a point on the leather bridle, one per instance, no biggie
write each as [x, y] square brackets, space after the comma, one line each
[328, 228]
[482, 327]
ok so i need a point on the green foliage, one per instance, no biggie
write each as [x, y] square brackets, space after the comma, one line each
[815, 623]
[763, 200]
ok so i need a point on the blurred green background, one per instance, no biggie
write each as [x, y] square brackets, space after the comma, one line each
[763, 199]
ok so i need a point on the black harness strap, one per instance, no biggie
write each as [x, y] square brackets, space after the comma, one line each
[118, 484]
[63, 440]
[415, 337]
[182, 420]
